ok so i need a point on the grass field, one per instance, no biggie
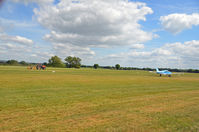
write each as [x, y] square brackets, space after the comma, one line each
[97, 100]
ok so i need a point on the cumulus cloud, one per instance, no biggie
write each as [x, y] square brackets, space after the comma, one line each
[16, 47]
[137, 46]
[14, 51]
[67, 49]
[39, 2]
[174, 55]
[19, 52]
[176, 23]
[41, 55]
[15, 39]
[92, 23]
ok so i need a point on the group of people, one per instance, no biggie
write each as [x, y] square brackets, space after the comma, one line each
[37, 67]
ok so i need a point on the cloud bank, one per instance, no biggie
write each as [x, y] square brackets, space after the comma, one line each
[83, 25]
[15, 39]
[176, 23]
[174, 55]
[39, 2]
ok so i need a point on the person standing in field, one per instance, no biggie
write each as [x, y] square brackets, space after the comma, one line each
[43, 67]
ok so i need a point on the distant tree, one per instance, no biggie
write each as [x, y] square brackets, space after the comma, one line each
[55, 61]
[69, 61]
[95, 66]
[45, 63]
[23, 63]
[12, 62]
[190, 70]
[73, 62]
[117, 66]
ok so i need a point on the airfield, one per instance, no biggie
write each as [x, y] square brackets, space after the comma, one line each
[97, 100]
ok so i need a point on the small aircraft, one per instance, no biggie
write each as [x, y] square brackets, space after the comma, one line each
[163, 72]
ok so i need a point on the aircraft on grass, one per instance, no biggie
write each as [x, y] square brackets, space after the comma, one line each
[163, 72]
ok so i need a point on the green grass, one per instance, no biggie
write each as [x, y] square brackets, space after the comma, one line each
[97, 100]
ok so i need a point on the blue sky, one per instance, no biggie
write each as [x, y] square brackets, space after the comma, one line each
[138, 33]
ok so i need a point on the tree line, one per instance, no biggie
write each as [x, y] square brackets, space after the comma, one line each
[143, 69]
[14, 63]
[54, 61]
[75, 62]
[70, 62]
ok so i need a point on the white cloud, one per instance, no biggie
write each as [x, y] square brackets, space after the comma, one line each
[39, 2]
[29, 53]
[64, 50]
[15, 39]
[85, 24]
[174, 55]
[5, 25]
[41, 55]
[20, 48]
[14, 51]
[176, 23]
[137, 46]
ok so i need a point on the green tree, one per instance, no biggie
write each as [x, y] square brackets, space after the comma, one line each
[45, 63]
[55, 61]
[73, 62]
[95, 66]
[69, 61]
[23, 63]
[12, 62]
[117, 66]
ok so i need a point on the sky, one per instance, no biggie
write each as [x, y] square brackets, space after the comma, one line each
[132, 33]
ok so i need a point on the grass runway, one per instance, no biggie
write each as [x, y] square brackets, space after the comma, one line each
[97, 100]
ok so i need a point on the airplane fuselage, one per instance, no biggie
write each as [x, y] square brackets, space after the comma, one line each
[163, 72]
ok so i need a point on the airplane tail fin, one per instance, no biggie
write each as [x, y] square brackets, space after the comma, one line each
[157, 70]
